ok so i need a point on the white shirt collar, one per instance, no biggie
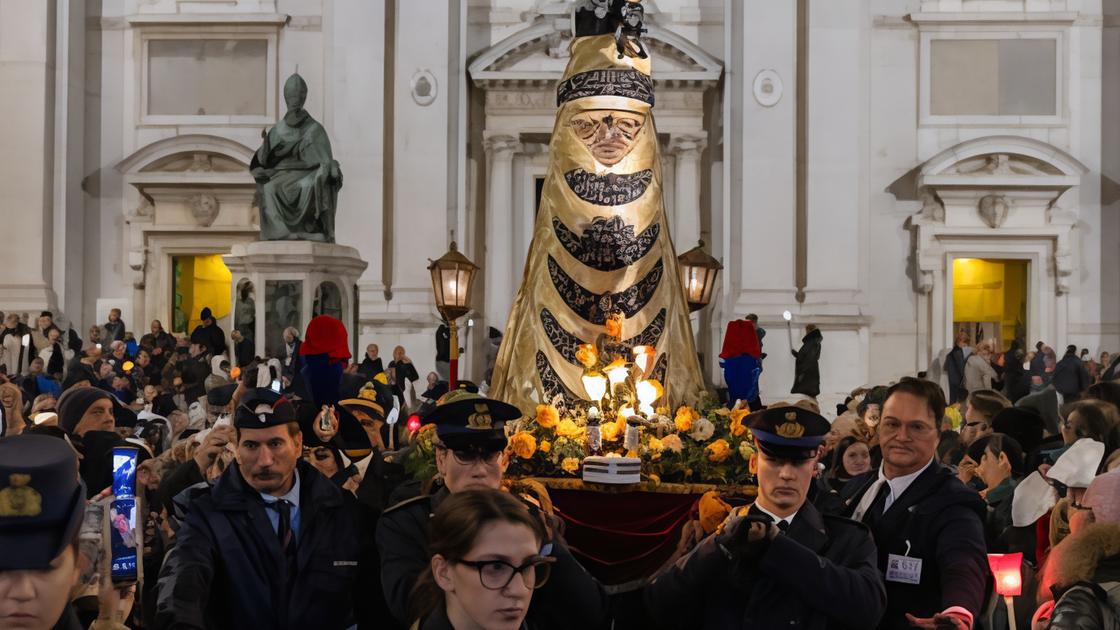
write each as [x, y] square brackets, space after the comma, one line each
[292, 496]
[777, 519]
[900, 484]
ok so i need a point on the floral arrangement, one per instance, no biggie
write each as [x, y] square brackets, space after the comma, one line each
[707, 446]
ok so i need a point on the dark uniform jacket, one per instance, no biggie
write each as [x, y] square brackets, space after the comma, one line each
[820, 573]
[940, 521]
[227, 569]
[954, 369]
[570, 599]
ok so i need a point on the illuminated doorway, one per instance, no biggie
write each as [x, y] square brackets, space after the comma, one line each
[990, 299]
[198, 282]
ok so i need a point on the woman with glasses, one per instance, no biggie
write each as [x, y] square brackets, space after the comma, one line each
[486, 563]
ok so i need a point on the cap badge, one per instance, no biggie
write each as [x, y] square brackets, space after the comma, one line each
[791, 430]
[791, 415]
[481, 418]
[19, 499]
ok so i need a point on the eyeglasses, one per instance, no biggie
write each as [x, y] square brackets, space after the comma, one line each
[974, 424]
[470, 458]
[497, 574]
[917, 429]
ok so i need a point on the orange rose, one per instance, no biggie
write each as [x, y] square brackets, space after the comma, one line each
[718, 451]
[685, 416]
[523, 445]
[611, 431]
[737, 417]
[614, 326]
[545, 446]
[547, 416]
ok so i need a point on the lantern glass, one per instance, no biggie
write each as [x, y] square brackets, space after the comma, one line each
[643, 357]
[618, 375]
[452, 280]
[596, 386]
[698, 276]
[647, 393]
[1006, 569]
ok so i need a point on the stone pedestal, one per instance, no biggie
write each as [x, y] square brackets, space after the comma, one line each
[277, 284]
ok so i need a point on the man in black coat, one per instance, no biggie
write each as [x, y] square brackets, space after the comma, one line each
[213, 334]
[954, 368]
[779, 563]
[807, 369]
[1070, 376]
[471, 454]
[273, 544]
[928, 526]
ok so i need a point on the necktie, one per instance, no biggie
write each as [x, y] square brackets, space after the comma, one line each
[285, 534]
[284, 527]
[783, 525]
[872, 501]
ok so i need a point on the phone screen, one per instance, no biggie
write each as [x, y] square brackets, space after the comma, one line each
[123, 530]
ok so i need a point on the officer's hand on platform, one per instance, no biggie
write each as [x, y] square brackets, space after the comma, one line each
[326, 425]
[941, 621]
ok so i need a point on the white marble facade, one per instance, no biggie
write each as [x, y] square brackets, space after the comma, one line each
[905, 116]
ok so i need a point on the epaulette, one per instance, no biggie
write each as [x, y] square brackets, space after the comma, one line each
[407, 502]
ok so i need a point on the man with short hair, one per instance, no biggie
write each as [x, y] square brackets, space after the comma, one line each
[39, 331]
[113, 330]
[928, 526]
[779, 563]
[470, 454]
[1070, 377]
[214, 337]
[371, 363]
[273, 544]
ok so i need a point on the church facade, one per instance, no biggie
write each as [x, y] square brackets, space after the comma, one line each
[889, 170]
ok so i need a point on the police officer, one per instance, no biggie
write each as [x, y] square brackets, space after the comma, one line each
[778, 563]
[470, 454]
[273, 544]
[42, 503]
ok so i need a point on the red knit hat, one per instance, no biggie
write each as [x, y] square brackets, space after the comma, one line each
[325, 335]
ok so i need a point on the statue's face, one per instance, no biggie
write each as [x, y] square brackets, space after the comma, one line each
[608, 133]
[295, 92]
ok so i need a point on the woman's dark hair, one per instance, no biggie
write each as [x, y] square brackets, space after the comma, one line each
[928, 391]
[1108, 391]
[837, 471]
[988, 402]
[454, 530]
[999, 443]
[1095, 419]
[875, 396]
[949, 445]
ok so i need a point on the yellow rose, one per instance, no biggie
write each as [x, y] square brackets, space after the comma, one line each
[746, 450]
[684, 418]
[672, 442]
[656, 445]
[611, 430]
[737, 417]
[570, 464]
[523, 445]
[545, 446]
[718, 451]
[547, 416]
[569, 429]
[587, 355]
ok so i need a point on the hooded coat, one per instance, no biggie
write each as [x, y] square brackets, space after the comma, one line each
[807, 369]
[1084, 573]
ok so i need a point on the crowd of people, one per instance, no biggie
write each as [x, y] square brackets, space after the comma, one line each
[273, 496]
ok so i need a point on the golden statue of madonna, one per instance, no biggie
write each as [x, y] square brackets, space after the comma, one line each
[601, 252]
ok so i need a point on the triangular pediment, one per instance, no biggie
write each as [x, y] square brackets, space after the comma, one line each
[539, 53]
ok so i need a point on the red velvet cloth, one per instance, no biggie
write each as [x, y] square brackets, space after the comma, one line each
[325, 335]
[622, 537]
[741, 338]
